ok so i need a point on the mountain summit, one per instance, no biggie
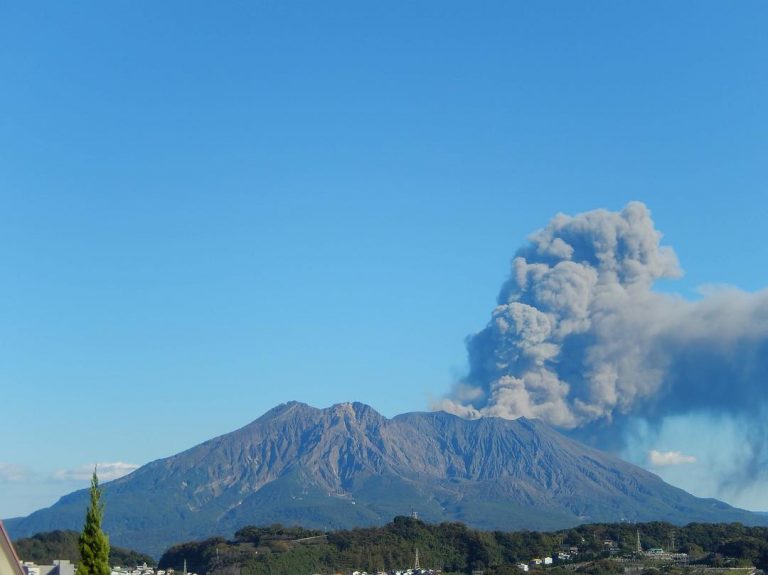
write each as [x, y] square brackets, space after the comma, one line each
[348, 465]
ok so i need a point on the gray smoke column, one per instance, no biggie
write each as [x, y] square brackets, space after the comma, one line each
[580, 340]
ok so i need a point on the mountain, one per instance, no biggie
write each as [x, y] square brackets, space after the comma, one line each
[347, 465]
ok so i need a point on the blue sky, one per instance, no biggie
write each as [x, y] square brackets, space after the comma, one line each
[209, 209]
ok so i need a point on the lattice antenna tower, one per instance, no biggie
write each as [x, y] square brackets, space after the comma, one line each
[416, 565]
[639, 548]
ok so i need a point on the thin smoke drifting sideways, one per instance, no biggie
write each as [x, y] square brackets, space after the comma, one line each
[580, 340]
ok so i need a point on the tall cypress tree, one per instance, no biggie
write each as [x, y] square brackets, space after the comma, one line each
[93, 542]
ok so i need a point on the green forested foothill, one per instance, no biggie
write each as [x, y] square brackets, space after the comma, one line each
[454, 548]
[43, 548]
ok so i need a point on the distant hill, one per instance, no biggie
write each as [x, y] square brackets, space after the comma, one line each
[454, 548]
[348, 466]
[43, 548]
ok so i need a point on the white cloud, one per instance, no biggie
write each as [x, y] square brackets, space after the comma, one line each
[11, 472]
[664, 458]
[105, 471]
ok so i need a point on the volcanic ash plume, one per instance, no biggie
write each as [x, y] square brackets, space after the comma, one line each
[580, 340]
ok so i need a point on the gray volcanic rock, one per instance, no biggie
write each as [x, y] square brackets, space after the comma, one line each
[349, 466]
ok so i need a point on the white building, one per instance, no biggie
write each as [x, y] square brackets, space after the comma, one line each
[59, 567]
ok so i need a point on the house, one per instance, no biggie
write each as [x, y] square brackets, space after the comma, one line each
[59, 567]
[9, 561]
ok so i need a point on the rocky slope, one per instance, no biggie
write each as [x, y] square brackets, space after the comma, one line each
[349, 466]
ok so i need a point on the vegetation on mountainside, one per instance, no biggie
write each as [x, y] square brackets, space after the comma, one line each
[43, 548]
[455, 548]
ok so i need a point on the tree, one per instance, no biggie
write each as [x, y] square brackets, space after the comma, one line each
[93, 542]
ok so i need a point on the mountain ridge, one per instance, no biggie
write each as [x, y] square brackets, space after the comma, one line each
[347, 465]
